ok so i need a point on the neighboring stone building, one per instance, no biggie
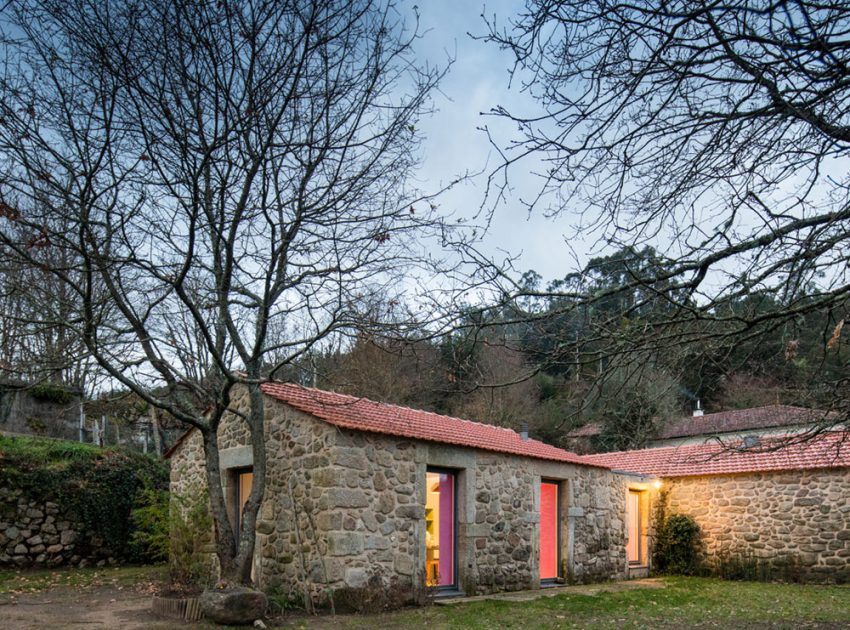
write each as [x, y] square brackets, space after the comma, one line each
[725, 426]
[43, 409]
[736, 424]
[787, 508]
[362, 495]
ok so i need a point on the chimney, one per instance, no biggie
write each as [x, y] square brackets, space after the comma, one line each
[523, 431]
[751, 441]
[698, 410]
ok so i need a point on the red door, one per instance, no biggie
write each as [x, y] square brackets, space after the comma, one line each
[548, 530]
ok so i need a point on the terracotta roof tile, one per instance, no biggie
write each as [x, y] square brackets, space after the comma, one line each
[743, 419]
[588, 430]
[827, 450]
[361, 414]
[727, 421]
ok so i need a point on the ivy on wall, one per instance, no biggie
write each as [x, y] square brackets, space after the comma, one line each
[98, 488]
[49, 392]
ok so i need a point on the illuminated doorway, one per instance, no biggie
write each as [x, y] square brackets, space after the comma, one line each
[244, 483]
[634, 551]
[549, 556]
[440, 556]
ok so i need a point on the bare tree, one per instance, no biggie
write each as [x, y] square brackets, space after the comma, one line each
[211, 171]
[35, 345]
[717, 132]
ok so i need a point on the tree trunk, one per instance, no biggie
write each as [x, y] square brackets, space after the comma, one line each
[248, 529]
[224, 535]
[235, 556]
[157, 439]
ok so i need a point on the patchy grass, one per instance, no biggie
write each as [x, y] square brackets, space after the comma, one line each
[35, 451]
[684, 603]
[67, 598]
[19, 582]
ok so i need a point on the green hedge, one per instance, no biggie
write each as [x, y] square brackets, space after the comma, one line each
[98, 487]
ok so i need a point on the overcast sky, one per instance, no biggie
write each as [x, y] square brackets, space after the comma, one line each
[477, 82]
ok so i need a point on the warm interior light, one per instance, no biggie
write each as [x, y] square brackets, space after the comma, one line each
[656, 484]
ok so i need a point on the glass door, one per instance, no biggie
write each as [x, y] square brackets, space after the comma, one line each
[244, 483]
[633, 517]
[440, 557]
[549, 531]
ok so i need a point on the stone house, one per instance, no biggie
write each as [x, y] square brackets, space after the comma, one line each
[738, 424]
[782, 503]
[362, 495]
[731, 425]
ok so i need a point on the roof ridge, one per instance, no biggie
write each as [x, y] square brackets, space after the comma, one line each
[364, 414]
[771, 406]
[397, 406]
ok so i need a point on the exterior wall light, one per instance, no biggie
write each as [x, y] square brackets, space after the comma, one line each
[656, 484]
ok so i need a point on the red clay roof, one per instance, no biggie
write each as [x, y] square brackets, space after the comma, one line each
[361, 414]
[742, 420]
[588, 430]
[827, 450]
[727, 421]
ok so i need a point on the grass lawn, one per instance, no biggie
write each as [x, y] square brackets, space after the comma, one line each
[72, 598]
[684, 603]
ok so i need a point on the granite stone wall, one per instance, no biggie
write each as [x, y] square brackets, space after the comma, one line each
[40, 534]
[344, 510]
[599, 525]
[791, 520]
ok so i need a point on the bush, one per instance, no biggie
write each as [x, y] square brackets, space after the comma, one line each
[98, 487]
[678, 544]
[151, 521]
[178, 533]
[190, 533]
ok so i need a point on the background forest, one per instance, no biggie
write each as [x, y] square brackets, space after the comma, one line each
[556, 365]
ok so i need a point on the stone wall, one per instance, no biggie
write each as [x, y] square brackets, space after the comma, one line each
[40, 534]
[344, 510]
[797, 520]
[600, 533]
[22, 413]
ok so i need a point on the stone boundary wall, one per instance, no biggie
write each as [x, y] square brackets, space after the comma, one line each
[344, 510]
[796, 521]
[24, 414]
[39, 534]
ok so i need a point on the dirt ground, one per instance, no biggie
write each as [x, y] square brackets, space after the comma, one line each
[127, 607]
[70, 607]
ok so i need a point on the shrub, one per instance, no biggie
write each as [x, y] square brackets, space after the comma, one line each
[178, 533]
[152, 524]
[190, 533]
[678, 544]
